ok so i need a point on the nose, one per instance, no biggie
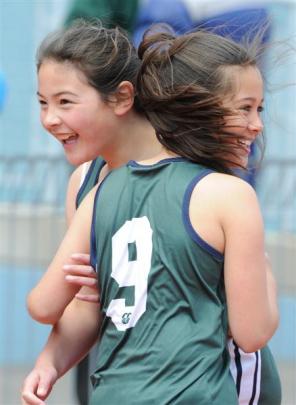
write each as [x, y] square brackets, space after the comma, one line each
[50, 119]
[256, 125]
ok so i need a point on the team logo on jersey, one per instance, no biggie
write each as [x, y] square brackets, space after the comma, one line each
[126, 317]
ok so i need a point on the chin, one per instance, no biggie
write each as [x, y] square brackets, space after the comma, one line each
[75, 160]
[242, 163]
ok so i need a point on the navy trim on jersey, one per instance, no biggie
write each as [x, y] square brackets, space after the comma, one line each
[133, 163]
[85, 181]
[239, 370]
[254, 381]
[93, 245]
[186, 219]
[93, 242]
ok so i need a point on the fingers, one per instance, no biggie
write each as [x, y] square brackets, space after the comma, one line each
[82, 275]
[37, 387]
[93, 298]
[82, 281]
[79, 270]
[81, 258]
[28, 398]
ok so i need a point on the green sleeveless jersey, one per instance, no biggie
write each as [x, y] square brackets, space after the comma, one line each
[255, 375]
[164, 319]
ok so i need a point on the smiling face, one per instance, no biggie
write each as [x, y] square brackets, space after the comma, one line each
[247, 105]
[73, 112]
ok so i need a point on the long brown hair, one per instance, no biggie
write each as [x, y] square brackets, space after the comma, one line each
[105, 56]
[181, 85]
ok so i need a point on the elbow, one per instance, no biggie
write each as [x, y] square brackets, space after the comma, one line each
[40, 312]
[251, 345]
[253, 333]
[42, 316]
[255, 339]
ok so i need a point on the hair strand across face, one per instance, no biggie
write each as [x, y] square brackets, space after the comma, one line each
[181, 85]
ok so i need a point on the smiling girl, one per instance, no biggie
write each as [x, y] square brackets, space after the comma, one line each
[203, 232]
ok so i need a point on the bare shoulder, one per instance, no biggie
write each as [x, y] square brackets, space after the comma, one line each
[235, 194]
[77, 177]
[220, 189]
[220, 203]
[217, 182]
[74, 185]
[234, 202]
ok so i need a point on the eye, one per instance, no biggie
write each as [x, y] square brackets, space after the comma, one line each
[246, 108]
[64, 101]
[42, 103]
[260, 109]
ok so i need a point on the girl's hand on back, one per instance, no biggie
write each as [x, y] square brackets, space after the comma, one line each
[81, 273]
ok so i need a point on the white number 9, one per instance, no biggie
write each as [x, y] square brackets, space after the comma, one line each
[131, 272]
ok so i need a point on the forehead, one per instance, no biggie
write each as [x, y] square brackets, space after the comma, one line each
[247, 82]
[60, 72]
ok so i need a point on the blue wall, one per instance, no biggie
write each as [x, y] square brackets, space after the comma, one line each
[23, 338]
[22, 26]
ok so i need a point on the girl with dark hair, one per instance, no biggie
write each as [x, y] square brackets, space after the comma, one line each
[176, 238]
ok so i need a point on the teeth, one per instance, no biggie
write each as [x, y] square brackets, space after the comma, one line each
[70, 139]
[242, 142]
[63, 136]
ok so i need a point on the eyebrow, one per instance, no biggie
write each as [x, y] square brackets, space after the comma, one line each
[60, 93]
[249, 99]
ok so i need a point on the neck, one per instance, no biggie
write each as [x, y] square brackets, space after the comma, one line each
[136, 140]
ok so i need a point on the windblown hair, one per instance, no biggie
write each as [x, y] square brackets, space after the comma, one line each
[181, 86]
[105, 56]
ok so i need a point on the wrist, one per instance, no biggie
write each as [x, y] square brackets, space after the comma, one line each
[46, 362]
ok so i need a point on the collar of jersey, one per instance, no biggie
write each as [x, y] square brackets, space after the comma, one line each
[162, 162]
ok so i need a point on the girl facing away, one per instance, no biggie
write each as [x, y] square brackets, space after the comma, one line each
[209, 118]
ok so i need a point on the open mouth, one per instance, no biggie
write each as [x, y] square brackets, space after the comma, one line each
[245, 145]
[70, 140]
[244, 142]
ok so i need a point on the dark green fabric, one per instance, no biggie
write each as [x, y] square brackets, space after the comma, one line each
[175, 351]
[270, 389]
[111, 12]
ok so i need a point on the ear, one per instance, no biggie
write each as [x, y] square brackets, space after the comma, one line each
[124, 98]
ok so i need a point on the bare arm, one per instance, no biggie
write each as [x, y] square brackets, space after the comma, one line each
[272, 290]
[234, 226]
[72, 191]
[48, 300]
[79, 320]
[79, 268]
[69, 341]
[253, 315]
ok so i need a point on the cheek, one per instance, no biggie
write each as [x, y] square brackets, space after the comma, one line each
[98, 124]
[42, 116]
[82, 118]
[74, 120]
[237, 124]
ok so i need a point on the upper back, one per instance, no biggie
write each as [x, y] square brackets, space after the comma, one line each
[161, 193]
[158, 279]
